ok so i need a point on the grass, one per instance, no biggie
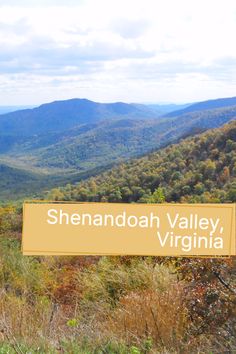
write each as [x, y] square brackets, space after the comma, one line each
[129, 305]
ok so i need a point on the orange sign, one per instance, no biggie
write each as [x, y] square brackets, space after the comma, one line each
[128, 229]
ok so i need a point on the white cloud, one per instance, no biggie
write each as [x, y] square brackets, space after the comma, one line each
[143, 50]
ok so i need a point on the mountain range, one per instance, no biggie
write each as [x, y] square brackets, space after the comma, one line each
[66, 141]
[60, 115]
[202, 106]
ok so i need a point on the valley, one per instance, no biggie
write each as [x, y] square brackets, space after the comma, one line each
[77, 138]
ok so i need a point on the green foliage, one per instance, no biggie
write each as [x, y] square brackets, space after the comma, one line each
[199, 169]
[114, 279]
[73, 322]
[157, 196]
[135, 350]
[16, 183]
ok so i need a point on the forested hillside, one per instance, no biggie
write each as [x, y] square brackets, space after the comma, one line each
[20, 184]
[199, 169]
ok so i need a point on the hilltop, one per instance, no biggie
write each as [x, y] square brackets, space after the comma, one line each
[61, 115]
[204, 105]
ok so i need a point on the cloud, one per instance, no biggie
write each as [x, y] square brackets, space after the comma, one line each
[123, 49]
[130, 28]
[42, 54]
[158, 68]
[40, 3]
[20, 27]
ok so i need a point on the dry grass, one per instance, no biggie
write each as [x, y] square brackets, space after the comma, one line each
[155, 315]
[117, 307]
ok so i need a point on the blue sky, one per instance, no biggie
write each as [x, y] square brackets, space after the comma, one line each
[109, 50]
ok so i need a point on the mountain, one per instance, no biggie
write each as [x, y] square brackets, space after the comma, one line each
[31, 163]
[91, 145]
[198, 169]
[150, 110]
[205, 105]
[89, 150]
[61, 115]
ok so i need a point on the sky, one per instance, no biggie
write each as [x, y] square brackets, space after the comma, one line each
[156, 51]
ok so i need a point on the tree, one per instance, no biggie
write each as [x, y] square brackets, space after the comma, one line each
[158, 196]
[231, 195]
[225, 175]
